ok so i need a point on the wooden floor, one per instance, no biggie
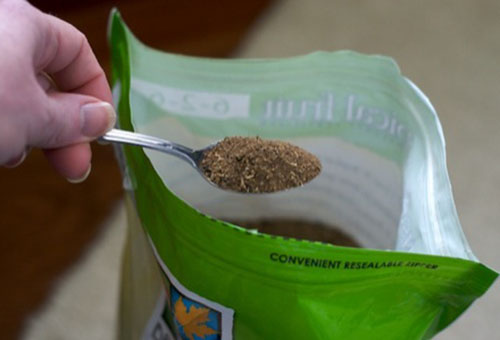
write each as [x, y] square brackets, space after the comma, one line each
[46, 222]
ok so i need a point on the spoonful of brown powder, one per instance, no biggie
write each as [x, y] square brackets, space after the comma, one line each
[255, 165]
[244, 164]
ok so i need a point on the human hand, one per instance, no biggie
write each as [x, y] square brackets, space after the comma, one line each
[61, 113]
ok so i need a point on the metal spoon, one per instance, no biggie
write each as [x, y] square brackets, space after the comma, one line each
[193, 157]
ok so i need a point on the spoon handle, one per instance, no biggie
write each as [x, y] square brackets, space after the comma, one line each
[150, 142]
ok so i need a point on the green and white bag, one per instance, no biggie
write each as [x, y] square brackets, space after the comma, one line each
[187, 274]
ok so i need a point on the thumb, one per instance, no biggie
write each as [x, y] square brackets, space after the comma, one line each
[70, 119]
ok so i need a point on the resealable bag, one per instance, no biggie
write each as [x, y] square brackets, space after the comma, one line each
[188, 274]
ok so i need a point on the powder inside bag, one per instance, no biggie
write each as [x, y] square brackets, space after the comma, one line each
[255, 165]
[301, 230]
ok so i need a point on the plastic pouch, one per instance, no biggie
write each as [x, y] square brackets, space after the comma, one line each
[189, 274]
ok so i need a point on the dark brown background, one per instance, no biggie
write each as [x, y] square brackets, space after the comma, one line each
[46, 222]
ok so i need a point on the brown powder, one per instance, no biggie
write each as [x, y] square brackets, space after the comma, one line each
[300, 229]
[254, 165]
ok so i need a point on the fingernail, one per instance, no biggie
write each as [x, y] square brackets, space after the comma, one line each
[81, 179]
[16, 161]
[97, 118]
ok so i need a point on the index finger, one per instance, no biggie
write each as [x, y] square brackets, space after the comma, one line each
[73, 65]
